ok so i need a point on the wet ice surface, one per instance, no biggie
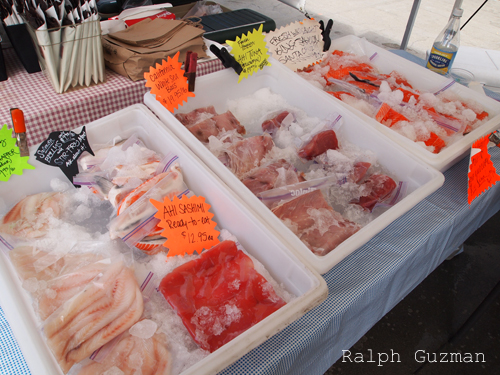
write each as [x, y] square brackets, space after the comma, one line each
[143, 329]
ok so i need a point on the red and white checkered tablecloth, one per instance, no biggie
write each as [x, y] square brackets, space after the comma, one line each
[46, 111]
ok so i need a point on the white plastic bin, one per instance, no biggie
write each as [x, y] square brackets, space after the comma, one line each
[230, 213]
[423, 80]
[215, 89]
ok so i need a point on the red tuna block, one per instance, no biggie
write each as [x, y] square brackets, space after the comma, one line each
[219, 295]
[320, 143]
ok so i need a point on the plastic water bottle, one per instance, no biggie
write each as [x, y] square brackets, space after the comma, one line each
[446, 45]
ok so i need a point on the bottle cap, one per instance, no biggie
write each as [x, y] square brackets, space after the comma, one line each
[457, 12]
[18, 120]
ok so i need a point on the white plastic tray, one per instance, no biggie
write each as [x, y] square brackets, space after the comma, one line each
[230, 213]
[426, 81]
[216, 88]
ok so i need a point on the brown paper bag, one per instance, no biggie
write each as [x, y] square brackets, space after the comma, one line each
[133, 65]
[133, 51]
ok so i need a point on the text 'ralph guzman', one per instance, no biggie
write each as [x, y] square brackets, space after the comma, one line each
[420, 356]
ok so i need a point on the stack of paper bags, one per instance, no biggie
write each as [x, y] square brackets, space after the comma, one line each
[133, 51]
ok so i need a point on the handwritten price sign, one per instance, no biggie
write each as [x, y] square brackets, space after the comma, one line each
[168, 83]
[188, 224]
[10, 160]
[250, 51]
[482, 173]
[296, 45]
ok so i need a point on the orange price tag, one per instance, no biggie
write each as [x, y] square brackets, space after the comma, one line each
[188, 225]
[168, 83]
[482, 172]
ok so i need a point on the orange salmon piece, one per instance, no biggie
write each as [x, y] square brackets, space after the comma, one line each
[435, 141]
[339, 73]
[407, 94]
[400, 80]
[386, 113]
[338, 93]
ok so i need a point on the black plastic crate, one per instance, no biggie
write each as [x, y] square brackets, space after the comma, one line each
[229, 25]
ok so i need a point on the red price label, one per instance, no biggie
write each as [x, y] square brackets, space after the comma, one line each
[188, 224]
[482, 173]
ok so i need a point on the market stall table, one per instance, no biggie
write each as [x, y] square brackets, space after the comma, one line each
[362, 288]
[46, 111]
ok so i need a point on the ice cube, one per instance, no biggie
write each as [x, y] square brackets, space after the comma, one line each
[59, 185]
[144, 329]
[31, 284]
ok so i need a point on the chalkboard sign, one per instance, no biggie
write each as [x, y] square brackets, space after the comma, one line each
[62, 149]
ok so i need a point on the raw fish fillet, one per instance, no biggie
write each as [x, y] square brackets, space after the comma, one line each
[226, 122]
[203, 130]
[247, 154]
[89, 161]
[264, 178]
[29, 217]
[167, 184]
[381, 187]
[134, 355]
[193, 117]
[270, 126]
[360, 169]
[315, 222]
[106, 307]
[219, 295]
[214, 125]
[319, 144]
[62, 288]
[27, 259]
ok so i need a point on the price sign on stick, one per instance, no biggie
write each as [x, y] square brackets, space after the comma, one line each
[250, 51]
[168, 83]
[188, 224]
[11, 162]
[296, 45]
[482, 173]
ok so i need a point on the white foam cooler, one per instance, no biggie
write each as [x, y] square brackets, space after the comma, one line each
[423, 80]
[216, 88]
[230, 213]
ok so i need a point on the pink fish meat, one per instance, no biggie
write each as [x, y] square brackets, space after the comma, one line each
[155, 359]
[360, 169]
[105, 308]
[203, 130]
[315, 222]
[196, 115]
[28, 262]
[264, 178]
[381, 187]
[247, 154]
[270, 126]
[319, 144]
[226, 122]
[29, 217]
